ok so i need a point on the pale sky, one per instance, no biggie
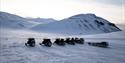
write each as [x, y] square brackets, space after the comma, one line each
[112, 10]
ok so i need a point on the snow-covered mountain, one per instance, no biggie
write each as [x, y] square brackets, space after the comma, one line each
[8, 20]
[79, 24]
[42, 20]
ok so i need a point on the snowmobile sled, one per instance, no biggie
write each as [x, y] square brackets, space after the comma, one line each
[101, 44]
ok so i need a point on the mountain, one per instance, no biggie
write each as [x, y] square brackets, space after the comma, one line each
[42, 20]
[78, 24]
[8, 20]
[121, 26]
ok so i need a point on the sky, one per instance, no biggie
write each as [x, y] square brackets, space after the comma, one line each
[112, 10]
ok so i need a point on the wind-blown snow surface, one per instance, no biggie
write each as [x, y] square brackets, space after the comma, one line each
[13, 50]
[78, 24]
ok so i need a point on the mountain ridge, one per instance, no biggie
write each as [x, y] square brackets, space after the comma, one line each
[77, 24]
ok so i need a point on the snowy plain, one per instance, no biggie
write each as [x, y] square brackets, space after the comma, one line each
[13, 50]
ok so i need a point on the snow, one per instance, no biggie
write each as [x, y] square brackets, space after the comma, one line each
[12, 21]
[13, 50]
[121, 26]
[79, 24]
[42, 20]
[14, 31]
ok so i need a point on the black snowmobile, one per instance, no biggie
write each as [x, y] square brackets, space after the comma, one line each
[70, 41]
[79, 40]
[60, 42]
[46, 42]
[30, 42]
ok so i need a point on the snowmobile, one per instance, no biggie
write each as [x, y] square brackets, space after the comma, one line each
[101, 44]
[79, 41]
[60, 42]
[69, 41]
[30, 42]
[46, 42]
